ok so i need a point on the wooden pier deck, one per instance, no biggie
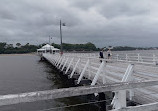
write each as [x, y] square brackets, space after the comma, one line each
[110, 71]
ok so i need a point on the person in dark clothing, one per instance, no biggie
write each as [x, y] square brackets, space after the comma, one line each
[101, 55]
[102, 97]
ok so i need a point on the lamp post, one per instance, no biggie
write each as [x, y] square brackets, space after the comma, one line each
[49, 39]
[61, 45]
[49, 42]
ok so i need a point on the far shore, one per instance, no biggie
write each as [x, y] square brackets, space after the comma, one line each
[17, 54]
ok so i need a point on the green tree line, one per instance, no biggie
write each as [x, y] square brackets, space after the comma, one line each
[9, 49]
[77, 47]
[126, 48]
[27, 48]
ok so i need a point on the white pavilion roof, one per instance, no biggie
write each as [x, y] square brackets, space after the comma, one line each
[47, 47]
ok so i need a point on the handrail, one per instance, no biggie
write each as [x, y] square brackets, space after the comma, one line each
[68, 92]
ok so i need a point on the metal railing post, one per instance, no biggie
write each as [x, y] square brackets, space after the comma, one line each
[83, 71]
[74, 68]
[126, 57]
[138, 57]
[69, 65]
[117, 57]
[119, 99]
[98, 73]
[62, 62]
[59, 61]
[65, 64]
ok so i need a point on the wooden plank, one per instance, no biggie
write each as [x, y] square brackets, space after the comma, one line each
[68, 92]
[145, 107]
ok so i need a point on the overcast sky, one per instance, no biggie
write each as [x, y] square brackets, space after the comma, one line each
[102, 22]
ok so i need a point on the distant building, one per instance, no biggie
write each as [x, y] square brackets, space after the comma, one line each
[47, 48]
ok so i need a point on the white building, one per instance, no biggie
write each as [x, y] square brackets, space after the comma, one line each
[47, 49]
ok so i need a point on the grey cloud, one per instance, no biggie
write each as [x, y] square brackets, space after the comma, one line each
[114, 8]
[110, 22]
[84, 4]
[6, 15]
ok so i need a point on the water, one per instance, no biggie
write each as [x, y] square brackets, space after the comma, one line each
[25, 73]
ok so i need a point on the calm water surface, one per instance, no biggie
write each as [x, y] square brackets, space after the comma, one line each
[25, 73]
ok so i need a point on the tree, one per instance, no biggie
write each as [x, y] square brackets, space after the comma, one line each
[18, 44]
[2, 47]
[27, 44]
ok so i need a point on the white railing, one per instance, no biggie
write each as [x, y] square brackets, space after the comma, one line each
[138, 58]
[105, 72]
[126, 57]
[12, 99]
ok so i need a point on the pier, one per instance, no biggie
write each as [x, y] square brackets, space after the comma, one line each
[109, 71]
[128, 78]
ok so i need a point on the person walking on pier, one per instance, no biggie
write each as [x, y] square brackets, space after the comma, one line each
[109, 54]
[101, 55]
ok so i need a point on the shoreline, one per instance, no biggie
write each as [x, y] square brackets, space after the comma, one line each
[17, 54]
